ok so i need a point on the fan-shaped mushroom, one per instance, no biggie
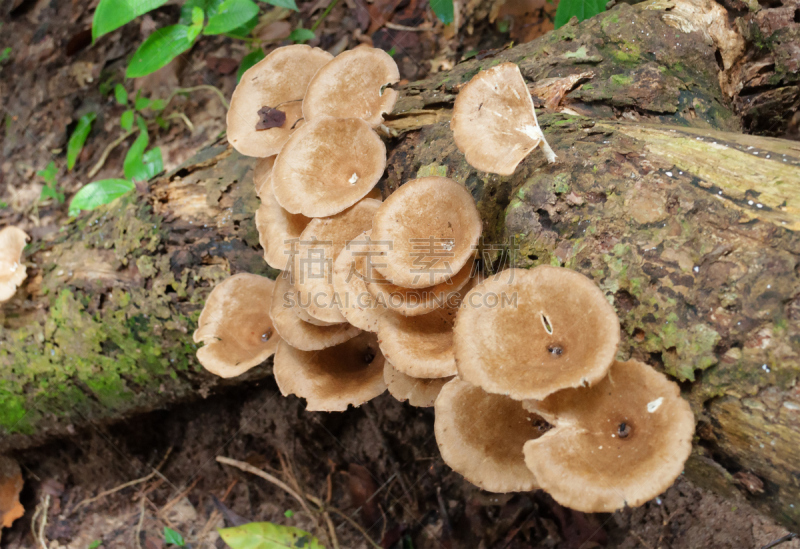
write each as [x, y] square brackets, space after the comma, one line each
[619, 443]
[353, 86]
[350, 373]
[357, 304]
[426, 231]
[529, 333]
[420, 393]
[481, 436]
[269, 96]
[494, 123]
[278, 230]
[12, 271]
[235, 326]
[261, 175]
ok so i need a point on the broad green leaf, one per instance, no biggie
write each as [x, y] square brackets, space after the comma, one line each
[78, 138]
[248, 61]
[141, 103]
[298, 36]
[126, 120]
[52, 192]
[138, 165]
[288, 4]
[112, 14]
[443, 10]
[582, 9]
[160, 48]
[158, 105]
[267, 535]
[173, 537]
[198, 16]
[232, 14]
[97, 193]
[121, 94]
[243, 31]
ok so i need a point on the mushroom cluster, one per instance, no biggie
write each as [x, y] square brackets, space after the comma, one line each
[12, 271]
[519, 367]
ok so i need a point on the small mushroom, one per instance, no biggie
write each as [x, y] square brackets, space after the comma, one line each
[353, 85]
[619, 443]
[529, 333]
[12, 271]
[426, 231]
[494, 123]
[235, 327]
[273, 88]
[420, 393]
[481, 436]
[319, 246]
[277, 228]
[297, 333]
[350, 373]
[261, 175]
[356, 304]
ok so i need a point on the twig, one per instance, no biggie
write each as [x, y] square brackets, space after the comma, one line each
[184, 118]
[324, 14]
[395, 26]
[208, 87]
[171, 503]
[331, 530]
[138, 533]
[110, 147]
[788, 537]
[215, 514]
[354, 524]
[41, 509]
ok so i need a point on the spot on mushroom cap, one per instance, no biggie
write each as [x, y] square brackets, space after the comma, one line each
[320, 244]
[433, 225]
[529, 333]
[235, 326]
[261, 175]
[356, 304]
[586, 465]
[313, 175]
[277, 228]
[494, 123]
[278, 81]
[421, 393]
[351, 85]
[481, 437]
[297, 333]
[12, 271]
[350, 373]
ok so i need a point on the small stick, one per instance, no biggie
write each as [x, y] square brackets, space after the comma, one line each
[138, 533]
[110, 147]
[395, 26]
[208, 87]
[354, 524]
[171, 503]
[788, 537]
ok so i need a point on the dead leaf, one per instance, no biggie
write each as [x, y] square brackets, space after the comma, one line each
[221, 65]
[270, 118]
[10, 487]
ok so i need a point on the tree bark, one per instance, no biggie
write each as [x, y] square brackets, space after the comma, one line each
[688, 226]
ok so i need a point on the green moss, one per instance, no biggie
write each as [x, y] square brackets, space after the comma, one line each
[621, 80]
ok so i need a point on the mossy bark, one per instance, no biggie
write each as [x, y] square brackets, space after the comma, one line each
[686, 225]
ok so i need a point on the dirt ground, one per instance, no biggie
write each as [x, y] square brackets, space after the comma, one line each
[378, 465]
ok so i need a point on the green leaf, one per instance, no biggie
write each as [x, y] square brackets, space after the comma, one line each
[97, 193]
[173, 537]
[301, 35]
[443, 10]
[141, 103]
[78, 138]
[231, 14]
[288, 513]
[5, 55]
[49, 173]
[288, 4]
[126, 120]
[267, 535]
[52, 192]
[244, 30]
[158, 105]
[121, 94]
[248, 61]
[582, 9]
[95, 544]
[160, 48]
[112, 14]
[138, 165]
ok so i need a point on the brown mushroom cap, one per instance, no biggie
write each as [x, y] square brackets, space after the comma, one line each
[481, 436]
[619, 443]
[420, 346]
[421, 393]
[297, 333]
[261, 175]
[357, 305]
[12, 271]
[494, 123]
[352, 86]
[432, 227]
[319, 246]
[277, 229]
[278, 81]
[529, 333]
[235, 326]
[327, 166]
[350, 373]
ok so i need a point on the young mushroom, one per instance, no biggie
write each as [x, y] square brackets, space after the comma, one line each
[420, 393]
[277, 228]
[529, 333]
[235, 327]
[481, 436]
[327, 166]
[494, 123]
[619, 443]
[426, 231]
[356, 304]
[295, 331]
[353, 85]
[267, 103]
[12, 271]
[350, 373]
